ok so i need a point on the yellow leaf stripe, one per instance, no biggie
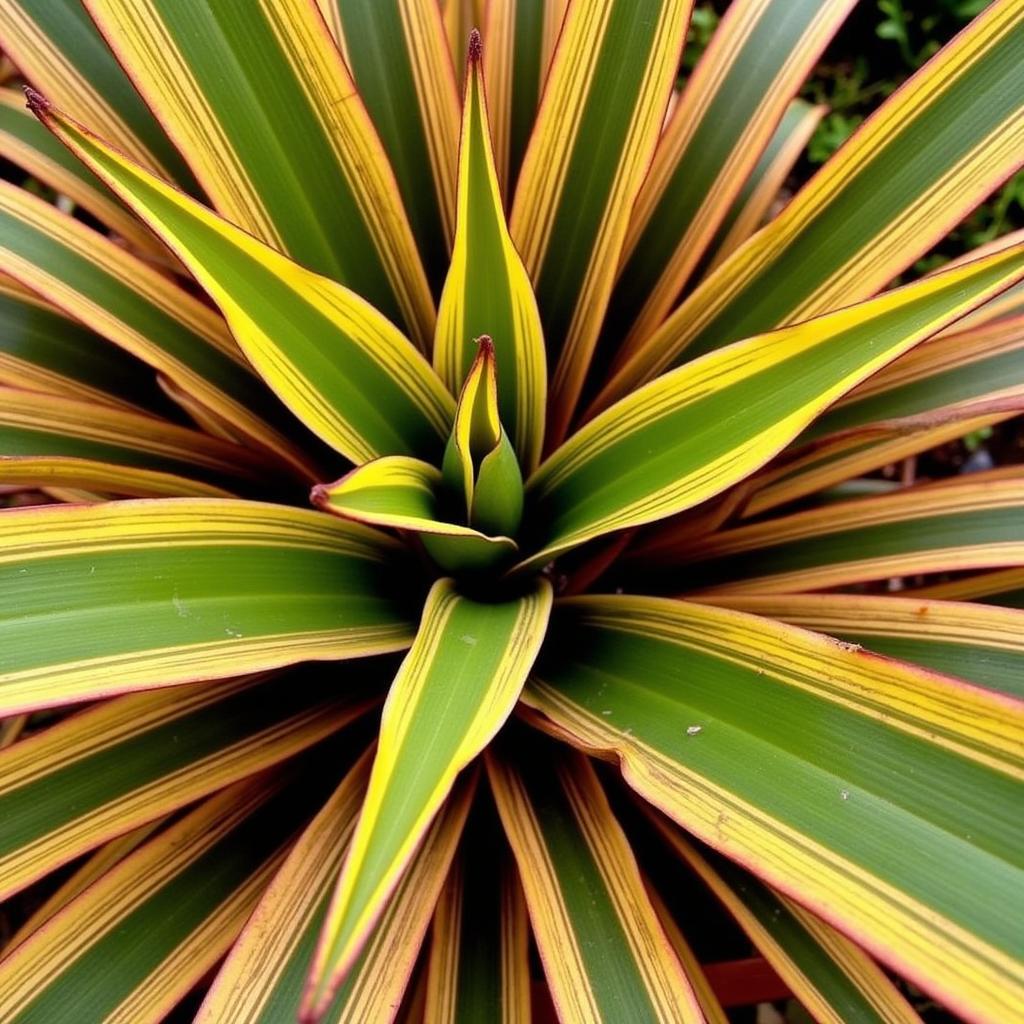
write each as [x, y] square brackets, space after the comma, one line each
[437, 99]
[54, 532]
[115, 722]
[912, 936]
[204, 417]
[543, 183]
[477, 428]
[444, 655]
[686, 386]
[44, 472]
[356, 320]
[100, 909]
[972, 588]
[153, 289]
[375, 987]
[150, 284]
[755, 208]
[742, 20]
[859, 968]
[268, 954]
[95, 199]
[18, 372]
[692, 968]
[964, 719]
[139, 33]
[269, 940]
[44, 64]
[850, 455]
[509, 315]
[95, 867]
[906, 506]
[670, 996]
[951, 351]
[451, 945]
[947, 621]
[865, 271]
[503, 42]
[103, 424]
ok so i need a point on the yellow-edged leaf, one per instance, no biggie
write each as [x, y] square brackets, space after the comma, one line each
[487, 291]
[456, 687]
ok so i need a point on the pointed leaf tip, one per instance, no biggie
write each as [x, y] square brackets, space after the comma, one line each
[36, 101]
[475, 48]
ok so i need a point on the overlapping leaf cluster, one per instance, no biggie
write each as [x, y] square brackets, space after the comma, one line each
[416, 432]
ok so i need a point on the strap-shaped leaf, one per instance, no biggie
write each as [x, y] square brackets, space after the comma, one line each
[342, 368]
[1004, 588]
[710, 1006]
[752, 207]
[136, 307]
[756, 61]
[520, 37]
[398, 54]
[43, 349]
[57, 48]
[978, 642]
[958, 373]
[25, 142]
[605, 955]
[973, 524]
[690, 434]
[596, 130]
[135, 594]
[454, 690]
[127, 761]
[833, 979]
[853, 454]
[129, 947]
[487, 291]
[931, 153]
[260, 103]
[95, 866]
[404, 494]
[48, 439]
[856, 784]
[479, 966]
[261, 981]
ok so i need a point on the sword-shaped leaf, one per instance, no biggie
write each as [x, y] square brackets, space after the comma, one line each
[981, 643]
[598, 124]
[454, 690]
[124, 762]
[695, 431]
[487, 291]
[604, 952]
[853, 783]
[261, 105]
[925, 159]
[134, 594]
[398, 54]
[343, 369]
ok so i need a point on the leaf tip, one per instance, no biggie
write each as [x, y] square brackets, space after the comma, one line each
[475, 48]
[36, 102]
